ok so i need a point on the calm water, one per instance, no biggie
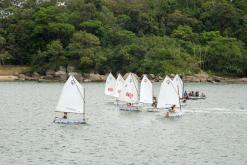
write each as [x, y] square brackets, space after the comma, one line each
[213, 131]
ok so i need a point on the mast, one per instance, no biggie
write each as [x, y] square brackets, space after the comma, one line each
[84, 102]
[179, 101]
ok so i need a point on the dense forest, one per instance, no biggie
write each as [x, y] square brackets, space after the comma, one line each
[142, 36]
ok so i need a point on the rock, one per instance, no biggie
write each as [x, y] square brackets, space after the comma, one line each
[70, 69]
[103, 77]
[218, 79]
[61, 75]
[78, 76]
[160, 78]
[191, 79]
[127, 74]
[151, 76]
[22, 77]
[49, 77]
[87, 80]
[35, 74]
[62, 68]
[210, 80]
[94, 77]
[8, 78]
[202, 77]
[49, 72]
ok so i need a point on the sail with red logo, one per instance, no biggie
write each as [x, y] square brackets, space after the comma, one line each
[110, 85]
[130, 90]
[118, 86]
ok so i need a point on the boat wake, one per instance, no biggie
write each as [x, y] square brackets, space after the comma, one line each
[217, 111]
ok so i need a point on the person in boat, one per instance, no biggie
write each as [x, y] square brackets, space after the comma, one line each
[197, 93]
[192, 93]
[154, 102]
[203, 94]
[171, 110]
[186, 96]
[65, 115]
[129, 104]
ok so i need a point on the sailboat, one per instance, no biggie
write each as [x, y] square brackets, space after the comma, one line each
[72, 100]
[178, 83]
[146, 94]
[169, 97]
[129, 94]
[118, 87]
[110, 85]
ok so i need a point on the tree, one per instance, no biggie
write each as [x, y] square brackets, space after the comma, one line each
[52, 58]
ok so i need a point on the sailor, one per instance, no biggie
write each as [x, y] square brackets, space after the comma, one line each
[65, 114]
[154, 102]
[171, 110]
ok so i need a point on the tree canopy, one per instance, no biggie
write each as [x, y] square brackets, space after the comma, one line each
[143, 36]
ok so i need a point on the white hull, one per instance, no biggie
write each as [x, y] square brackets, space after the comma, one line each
[69, 121]
[152, 110]
[124, 107]
[196, 98]
[175, 114]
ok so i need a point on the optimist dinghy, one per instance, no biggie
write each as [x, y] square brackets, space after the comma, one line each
[118, 89]
[179, 85]
[72, 100]
[110, 85]
[129, 94]
[196, 97]
[169, 97]
[146, 95]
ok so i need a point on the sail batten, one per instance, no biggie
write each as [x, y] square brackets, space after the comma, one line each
[72, 98]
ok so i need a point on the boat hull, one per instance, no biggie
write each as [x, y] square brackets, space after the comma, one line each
[196, 98]
[69, 121]
[175, 114]
[129, 108]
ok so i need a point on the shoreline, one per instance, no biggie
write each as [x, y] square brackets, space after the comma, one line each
[102, 78]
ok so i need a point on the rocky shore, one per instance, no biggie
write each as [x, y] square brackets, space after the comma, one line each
[62, 75]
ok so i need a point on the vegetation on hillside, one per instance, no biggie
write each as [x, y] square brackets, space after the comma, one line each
[142, 36]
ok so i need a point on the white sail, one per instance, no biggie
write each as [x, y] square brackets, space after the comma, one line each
[168, 95]
[119, 86]
[146, 91]
[72, 97]
[130, 90]
[178, 83]
[110, 85]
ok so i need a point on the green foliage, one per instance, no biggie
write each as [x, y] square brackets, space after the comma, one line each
[143, 36]
[52, 58]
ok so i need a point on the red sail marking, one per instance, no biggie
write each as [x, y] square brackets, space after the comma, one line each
[110, 89]
[130, 95]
